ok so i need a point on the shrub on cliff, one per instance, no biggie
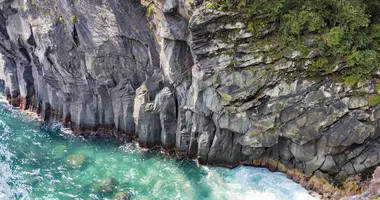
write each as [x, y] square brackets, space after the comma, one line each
[344, 29]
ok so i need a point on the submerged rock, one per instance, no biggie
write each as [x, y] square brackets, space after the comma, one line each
[106, 185]
[76, 160]
[121, 196]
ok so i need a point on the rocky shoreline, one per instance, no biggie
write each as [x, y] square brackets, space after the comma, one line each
[317, 187]
[355, 187]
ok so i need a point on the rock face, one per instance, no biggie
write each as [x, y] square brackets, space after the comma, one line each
[187, 78]
[78, 61]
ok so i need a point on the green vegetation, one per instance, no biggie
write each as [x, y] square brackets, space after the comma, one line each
[150, 11]
[321, 63]
[377, 88]
[75, 2]
[344, 30]
[73, 19]
[34, 5]
[373, 99]
[61, 19]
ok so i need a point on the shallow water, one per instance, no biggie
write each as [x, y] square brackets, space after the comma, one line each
[33, 165]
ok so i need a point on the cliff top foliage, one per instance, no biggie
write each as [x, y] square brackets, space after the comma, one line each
[345, 31]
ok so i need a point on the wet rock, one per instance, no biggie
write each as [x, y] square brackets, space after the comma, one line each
[76, 160]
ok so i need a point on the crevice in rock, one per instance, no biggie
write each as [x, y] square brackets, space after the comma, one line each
[327, 128]
[210, 144]
[23, 51]
[47, 55]
[31, 40]
[75, 36]
[3, 29]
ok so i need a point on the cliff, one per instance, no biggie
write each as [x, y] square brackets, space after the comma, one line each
[189, 77]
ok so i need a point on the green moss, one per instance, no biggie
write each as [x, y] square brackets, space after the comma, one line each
[377, 87]
[359, 94]
[373, 99]
[256, 26]
[225, 96]
[61, 19]
[150, 11]
[351, 80]
[73, 19]
[337, 78]
[323, 63]
[101, 14]
[211, 5]
[273, 56]
[231, 109]
[75, 2]
[253, 132]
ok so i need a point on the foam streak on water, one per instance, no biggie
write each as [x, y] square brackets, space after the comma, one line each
[33, 165]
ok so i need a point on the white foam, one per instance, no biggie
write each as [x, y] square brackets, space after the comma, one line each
[243, 183]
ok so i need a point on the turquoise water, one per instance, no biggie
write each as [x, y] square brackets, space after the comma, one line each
[35, 164]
